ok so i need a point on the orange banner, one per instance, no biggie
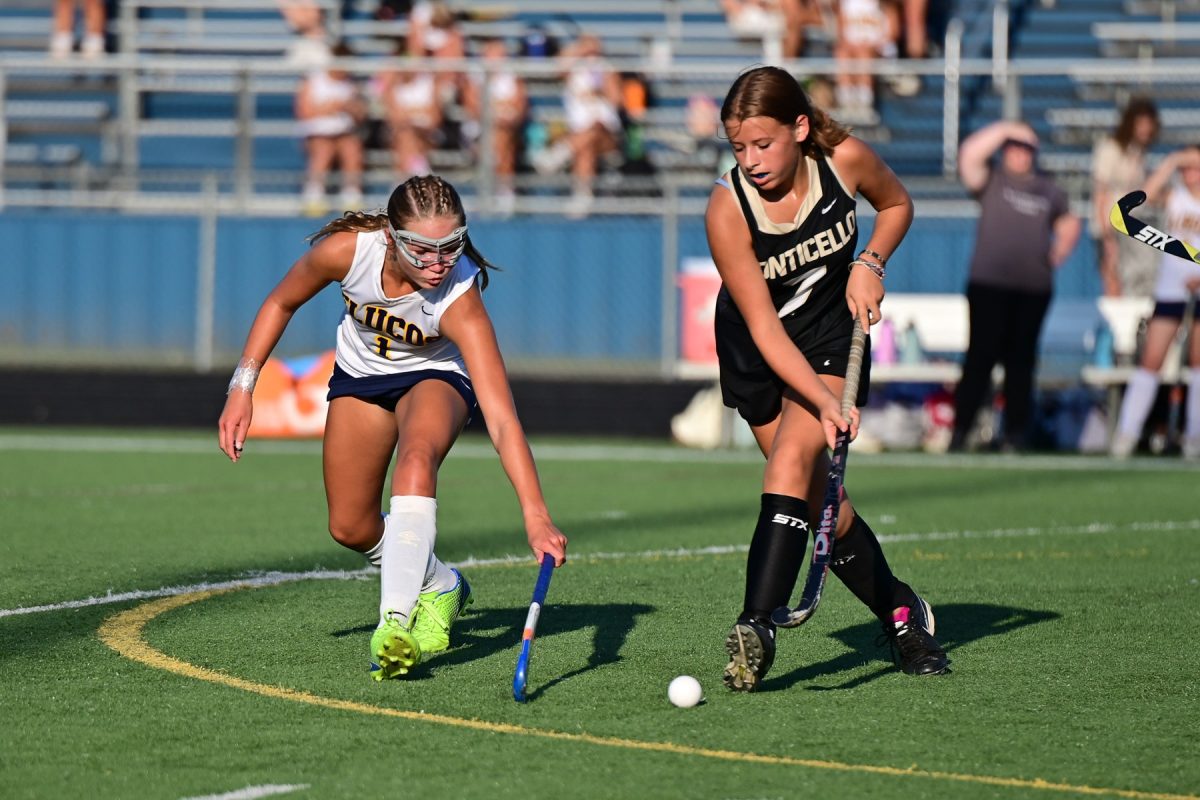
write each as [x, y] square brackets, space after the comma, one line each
[289, 403]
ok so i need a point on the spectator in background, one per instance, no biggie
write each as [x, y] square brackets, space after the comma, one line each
[1178, 279]
[307, 20]
[865, 31]
[62, 37]
[1118, 167]
[414, 116]
[433, 32]
[779, 24]
[636, 99]
[388, 10]
[330, 110]
[915, 28]
[509, 106]
[592, 101]
[1026, 231]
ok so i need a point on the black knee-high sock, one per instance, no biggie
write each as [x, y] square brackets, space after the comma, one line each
[859, 563]
[776, 554]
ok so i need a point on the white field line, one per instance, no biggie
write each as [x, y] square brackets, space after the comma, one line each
[153, 489]
[253, 792]
[645, 453]
[276, 578]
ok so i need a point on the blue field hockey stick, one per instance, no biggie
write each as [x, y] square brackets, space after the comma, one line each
[531, 621]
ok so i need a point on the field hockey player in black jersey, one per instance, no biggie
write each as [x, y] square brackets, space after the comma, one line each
[783, 232]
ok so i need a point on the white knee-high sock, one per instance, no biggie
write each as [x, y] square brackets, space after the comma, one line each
[407, 545]
[1193, 404]
[374, 556]
[1139, 397]
[438, 576]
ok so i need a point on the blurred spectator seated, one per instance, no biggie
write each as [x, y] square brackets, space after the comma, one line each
[330, 111]
[636, 99]
[509, 109]
[591, 100]
[779, 24]
[388, 10]
[62, 37]
[867, 30]
[414, 117]
[306, 19]
[434, 32]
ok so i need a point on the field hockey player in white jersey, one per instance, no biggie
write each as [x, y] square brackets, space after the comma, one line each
[783, 232]
[1175, 186]
[415, 351]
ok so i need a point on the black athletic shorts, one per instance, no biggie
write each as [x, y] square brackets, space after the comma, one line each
[386, 390]
[752, 387]
[1170, 310]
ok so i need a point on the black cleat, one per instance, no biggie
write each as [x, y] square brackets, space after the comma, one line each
[913, 645]
[751, 648]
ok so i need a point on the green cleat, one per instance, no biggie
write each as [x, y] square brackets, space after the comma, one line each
[394, 650]
[436, 612]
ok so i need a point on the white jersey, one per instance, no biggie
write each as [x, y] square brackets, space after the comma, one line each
[1183, 222]
[324, 88]
[381, 335]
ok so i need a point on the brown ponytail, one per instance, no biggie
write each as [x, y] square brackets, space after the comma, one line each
[773, 92]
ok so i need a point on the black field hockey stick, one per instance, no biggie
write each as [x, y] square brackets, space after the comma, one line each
[814, 584]
[1123, 220]
[521, 677]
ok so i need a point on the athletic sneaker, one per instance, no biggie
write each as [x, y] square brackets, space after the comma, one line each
[394, 649]
[751, 648]
[913, 646]
[1123, 445]
[436, 612]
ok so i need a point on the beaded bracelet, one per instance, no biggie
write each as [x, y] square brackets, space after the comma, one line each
[874, 255]
[876, 269]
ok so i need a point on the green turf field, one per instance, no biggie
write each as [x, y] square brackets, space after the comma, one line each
[1067, 592]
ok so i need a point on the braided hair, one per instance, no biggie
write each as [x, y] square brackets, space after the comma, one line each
[419, 197]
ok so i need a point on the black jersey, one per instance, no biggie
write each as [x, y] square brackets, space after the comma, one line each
[806, 263]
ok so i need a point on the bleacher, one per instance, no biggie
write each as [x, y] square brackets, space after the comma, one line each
[153, 114]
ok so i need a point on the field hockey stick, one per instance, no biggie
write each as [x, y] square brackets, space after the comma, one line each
[814, 584]
[1123, 220]
[1175, 398]
[531, 621]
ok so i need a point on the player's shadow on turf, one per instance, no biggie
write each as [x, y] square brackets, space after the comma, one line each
[492, 631]
[957, 624]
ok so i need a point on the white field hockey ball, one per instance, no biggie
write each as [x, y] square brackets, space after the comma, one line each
[685, 691]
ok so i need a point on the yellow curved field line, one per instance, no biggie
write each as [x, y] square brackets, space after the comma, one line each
[123, 632]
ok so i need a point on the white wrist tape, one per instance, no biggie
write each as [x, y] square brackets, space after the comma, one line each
[244, 377]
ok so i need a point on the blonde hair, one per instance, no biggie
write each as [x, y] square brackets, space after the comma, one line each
[773, 92]
[419, 197]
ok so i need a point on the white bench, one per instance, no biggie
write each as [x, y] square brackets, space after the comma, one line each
[1123, 315]
[940, 320]
[942, 324]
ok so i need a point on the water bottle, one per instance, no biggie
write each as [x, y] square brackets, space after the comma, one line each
[911, 351]
[884, 350]
[1102, 346]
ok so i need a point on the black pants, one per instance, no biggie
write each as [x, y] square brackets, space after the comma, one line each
[1005, 327]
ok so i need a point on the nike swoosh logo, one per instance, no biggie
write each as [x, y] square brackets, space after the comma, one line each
[825, 210]
[426, 311]
[826, 364]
